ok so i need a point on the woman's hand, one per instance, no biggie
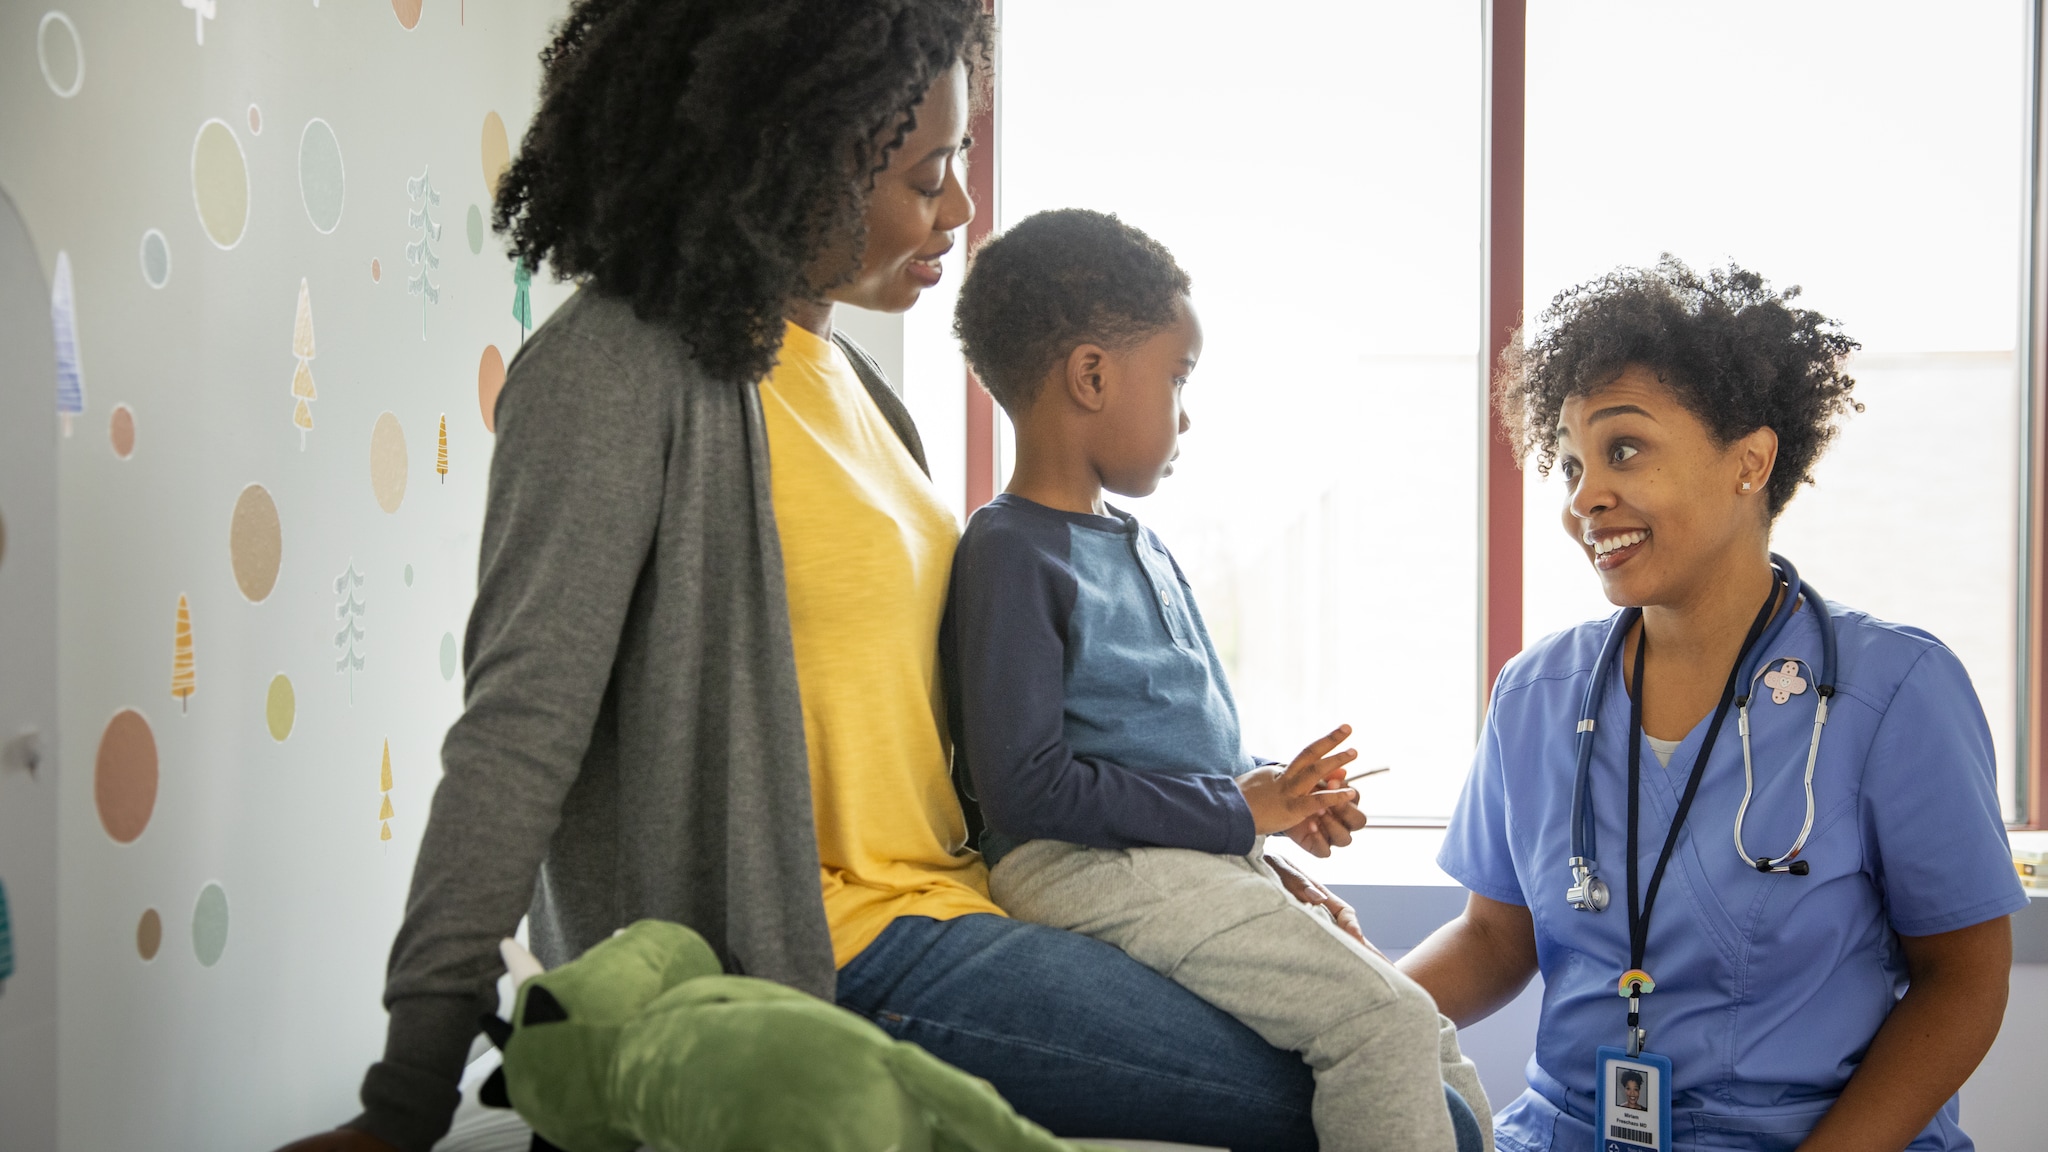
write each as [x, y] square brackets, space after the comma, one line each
[1303, 888]
[1283, 799]
[339, 1140]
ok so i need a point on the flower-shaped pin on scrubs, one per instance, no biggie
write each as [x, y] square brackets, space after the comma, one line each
[1785, 683]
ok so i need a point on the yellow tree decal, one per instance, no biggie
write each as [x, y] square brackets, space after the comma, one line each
[441, 452]
[385, 814]
[302, 379]
[183, 684]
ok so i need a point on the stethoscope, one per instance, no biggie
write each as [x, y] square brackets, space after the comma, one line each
[1780, 675]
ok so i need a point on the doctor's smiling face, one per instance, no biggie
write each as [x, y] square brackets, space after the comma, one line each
[1655, 499]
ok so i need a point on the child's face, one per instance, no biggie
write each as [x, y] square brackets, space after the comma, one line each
[1143, 417]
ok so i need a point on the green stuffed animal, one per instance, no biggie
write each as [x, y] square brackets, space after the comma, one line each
[643, 1042]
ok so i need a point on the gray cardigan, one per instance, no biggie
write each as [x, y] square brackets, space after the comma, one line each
[632, 742]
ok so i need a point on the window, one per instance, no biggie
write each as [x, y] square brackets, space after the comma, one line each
[1319, 177]
[1874, 154]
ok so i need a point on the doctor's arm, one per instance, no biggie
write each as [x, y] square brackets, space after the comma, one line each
[1931, 1042]
[1478, 962]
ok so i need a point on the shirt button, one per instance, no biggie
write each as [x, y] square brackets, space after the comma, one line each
[1165, 598]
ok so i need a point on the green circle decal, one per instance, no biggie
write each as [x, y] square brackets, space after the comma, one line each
[448, 655]
[210, 925]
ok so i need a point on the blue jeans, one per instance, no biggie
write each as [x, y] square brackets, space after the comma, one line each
[1085, 1040]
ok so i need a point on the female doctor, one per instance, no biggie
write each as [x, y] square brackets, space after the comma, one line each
[1820, 974]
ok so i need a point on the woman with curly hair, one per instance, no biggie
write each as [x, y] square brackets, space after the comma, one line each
[1828, 976]
[701, 679]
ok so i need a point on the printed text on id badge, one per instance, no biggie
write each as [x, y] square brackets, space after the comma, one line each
[1633, 1102]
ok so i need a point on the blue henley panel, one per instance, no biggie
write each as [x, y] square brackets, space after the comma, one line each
[1082, 688]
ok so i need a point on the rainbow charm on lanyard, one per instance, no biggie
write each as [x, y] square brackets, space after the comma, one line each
[1636, 982]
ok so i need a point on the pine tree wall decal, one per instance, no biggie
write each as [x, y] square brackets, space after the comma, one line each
[385, 813]
[351, 634]
[302, 379]
[64, 323]
[183, 682]
[441, 450]
[420, 253]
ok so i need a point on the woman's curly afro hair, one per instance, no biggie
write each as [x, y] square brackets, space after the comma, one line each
[699, 156]
[1738, 355]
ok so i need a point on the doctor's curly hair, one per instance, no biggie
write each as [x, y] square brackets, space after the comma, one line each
[1737, 354]
[698, 157]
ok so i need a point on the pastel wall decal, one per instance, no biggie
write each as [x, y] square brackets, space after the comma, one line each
[149, 934]
[497, 152]
[302, 377]
[121, 431]
[255, 120]
[202, 11]
[61, 54]
[6, 940]
[448, 655]
[280, 707]
[490, 380]
[350, 638]
[255, 543]
[408, 12]
[387, 462]
[156, 259]
[476, 230]
[408, 575]
[323, 185]
[420, 253]
[441, 453]
[522, 299]
[220, 183]
[64, 323]
[376, 271]
[210, 925]
[124, 776]
[183, 680]
[385, 813]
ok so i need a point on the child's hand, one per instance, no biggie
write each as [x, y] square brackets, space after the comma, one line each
[1282, 798]
[1330, 828]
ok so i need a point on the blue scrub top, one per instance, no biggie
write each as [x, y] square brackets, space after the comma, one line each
[1769, 988]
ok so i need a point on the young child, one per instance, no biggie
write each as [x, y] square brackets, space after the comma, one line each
[1092, 709]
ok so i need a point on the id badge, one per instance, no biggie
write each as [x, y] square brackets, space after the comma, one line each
[1632, 1101]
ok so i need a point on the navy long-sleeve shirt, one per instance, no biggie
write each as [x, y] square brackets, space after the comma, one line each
[1082, 688]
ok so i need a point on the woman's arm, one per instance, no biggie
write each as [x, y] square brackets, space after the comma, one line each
[1477, 963]
[1931, 1042]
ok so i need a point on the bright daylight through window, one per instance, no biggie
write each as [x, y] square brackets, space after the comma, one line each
[1873, 155]
[1326, 201]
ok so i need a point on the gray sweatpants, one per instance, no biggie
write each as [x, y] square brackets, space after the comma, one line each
[1225, 929]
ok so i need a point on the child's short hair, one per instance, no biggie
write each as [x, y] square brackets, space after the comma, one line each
[1056, 280]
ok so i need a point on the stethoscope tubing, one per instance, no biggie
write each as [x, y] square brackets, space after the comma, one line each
[1584, 837]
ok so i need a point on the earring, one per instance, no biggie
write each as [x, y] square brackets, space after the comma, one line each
[1745, 485]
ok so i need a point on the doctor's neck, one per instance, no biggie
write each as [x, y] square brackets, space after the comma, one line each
[1707, 615]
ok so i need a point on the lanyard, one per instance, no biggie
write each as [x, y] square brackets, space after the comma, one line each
[1636, 981]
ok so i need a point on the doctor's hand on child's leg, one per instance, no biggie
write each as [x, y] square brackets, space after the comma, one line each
[1283, 798]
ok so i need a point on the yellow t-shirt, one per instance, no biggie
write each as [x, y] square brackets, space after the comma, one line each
[867, 551]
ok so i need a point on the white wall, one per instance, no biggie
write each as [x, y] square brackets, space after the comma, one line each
[272, 1038]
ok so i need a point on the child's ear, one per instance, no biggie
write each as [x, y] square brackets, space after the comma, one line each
[1087, 366]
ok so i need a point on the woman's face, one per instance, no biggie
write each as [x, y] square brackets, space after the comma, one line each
[1654, 500]
[917, 203]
